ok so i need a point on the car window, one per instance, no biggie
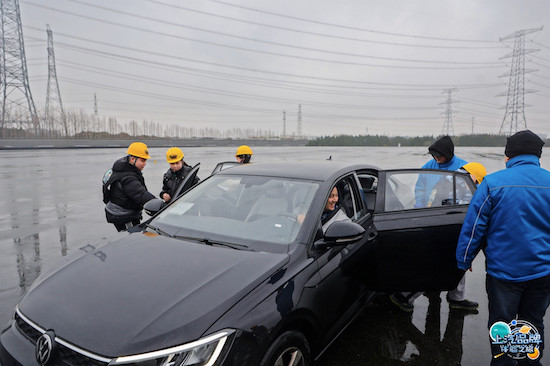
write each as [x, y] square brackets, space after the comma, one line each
[350, 198]
[240, 209]
[411, 190]
[369, 185]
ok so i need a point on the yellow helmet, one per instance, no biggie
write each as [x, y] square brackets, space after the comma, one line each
[138, 149]
[243, 150]
[477, 170]
[173, 155]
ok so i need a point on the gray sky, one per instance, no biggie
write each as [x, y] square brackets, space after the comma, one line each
[356, 67]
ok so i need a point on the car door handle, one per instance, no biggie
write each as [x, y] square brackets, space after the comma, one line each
[452, 212]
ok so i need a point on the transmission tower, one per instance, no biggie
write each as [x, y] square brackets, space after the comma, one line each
[284, 123]
[299, 128]
[17, 106]
[448, 123]
[514, 116]
[96, 115]
[54, 108]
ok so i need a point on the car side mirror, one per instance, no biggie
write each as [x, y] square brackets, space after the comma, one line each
[153, 206]
[341, 233]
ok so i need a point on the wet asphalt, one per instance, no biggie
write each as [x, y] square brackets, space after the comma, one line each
[51, 205]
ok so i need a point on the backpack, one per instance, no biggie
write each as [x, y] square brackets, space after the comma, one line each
[109, 178]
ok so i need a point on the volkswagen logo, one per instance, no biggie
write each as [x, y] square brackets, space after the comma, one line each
[44, 348]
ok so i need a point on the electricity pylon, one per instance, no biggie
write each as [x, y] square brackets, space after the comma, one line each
[514, 116]
[54, 116]
[299, 128]
[448, 123]
[17, 106]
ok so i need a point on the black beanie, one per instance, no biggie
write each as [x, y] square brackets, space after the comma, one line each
[523, 142]
[444, 146]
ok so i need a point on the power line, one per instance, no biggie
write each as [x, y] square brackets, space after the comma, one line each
[255, 70]
[302, 31]
[349, 27]
[305, 58]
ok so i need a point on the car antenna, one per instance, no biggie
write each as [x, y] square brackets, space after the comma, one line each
[330, 158]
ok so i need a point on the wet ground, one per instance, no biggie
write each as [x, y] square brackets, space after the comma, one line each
[50, 205]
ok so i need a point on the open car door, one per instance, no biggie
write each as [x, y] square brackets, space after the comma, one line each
[418, 215]
[187, 182]
[224, 165]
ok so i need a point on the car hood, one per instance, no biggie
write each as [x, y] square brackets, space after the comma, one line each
[143, 293]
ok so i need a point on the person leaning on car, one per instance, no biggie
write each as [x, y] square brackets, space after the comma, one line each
[510, 211]
[442, 151]
[128, 193]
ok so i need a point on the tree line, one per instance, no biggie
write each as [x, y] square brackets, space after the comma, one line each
[77, 124]
[380, 140]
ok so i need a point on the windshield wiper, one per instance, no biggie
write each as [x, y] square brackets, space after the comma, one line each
[214, 242]
[158, 231]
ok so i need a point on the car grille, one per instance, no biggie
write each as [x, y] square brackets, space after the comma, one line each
[64, 355]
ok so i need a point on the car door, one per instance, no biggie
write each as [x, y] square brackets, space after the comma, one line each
[418, 215]
[187, 182]
[338, 288]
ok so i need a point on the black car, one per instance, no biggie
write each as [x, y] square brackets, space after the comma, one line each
[239, 270]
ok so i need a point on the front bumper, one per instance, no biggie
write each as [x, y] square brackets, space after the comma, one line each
[16, 349]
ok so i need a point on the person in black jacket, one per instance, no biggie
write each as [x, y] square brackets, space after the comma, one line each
[175, 175]
[128, 191]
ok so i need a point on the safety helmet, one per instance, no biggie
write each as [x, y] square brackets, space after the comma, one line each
[173, 155]
[243, 150]
[477, 170]
[138, 149]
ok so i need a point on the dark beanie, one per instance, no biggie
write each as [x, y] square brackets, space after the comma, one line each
[444, 146]
[523, 142]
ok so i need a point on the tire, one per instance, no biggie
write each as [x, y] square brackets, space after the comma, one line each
[289, 349]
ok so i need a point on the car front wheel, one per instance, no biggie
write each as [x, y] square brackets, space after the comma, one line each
[289, 349]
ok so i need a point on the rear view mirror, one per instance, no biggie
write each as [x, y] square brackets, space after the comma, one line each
[341, 233]
[153, 206]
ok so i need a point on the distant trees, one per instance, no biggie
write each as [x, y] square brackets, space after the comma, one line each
[81, 125]
[379, 140]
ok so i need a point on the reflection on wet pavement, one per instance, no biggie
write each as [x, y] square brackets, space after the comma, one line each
[383, 335]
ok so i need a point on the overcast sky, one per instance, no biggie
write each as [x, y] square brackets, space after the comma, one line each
[354, 66]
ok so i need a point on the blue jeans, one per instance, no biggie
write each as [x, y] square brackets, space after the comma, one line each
[518, 300]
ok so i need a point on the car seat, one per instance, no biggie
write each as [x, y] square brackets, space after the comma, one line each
[273, 202]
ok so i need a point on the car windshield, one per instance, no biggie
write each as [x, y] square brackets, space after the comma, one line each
[249, 210]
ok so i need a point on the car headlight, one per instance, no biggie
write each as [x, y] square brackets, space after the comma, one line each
[203, 352]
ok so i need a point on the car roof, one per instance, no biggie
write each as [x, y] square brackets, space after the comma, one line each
[320, 170]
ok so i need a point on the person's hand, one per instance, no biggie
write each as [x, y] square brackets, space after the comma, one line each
[300, 218]
[166, 197]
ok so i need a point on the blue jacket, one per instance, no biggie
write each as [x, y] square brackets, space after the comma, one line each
[511, 210]
[426, 182]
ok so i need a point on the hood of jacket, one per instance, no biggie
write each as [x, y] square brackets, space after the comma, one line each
[444, 146]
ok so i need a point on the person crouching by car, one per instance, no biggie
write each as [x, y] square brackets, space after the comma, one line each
[128, 191]
[175, 175]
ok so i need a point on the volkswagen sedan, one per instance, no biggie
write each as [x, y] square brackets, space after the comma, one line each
[240, 270]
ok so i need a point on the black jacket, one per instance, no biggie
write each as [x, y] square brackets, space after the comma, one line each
[131, 193]
[172, 180]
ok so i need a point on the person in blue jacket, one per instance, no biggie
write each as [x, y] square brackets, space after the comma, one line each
[510, 213]
[442, 151]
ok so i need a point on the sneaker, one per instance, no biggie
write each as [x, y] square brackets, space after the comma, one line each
[463, 304]
[401, 302]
